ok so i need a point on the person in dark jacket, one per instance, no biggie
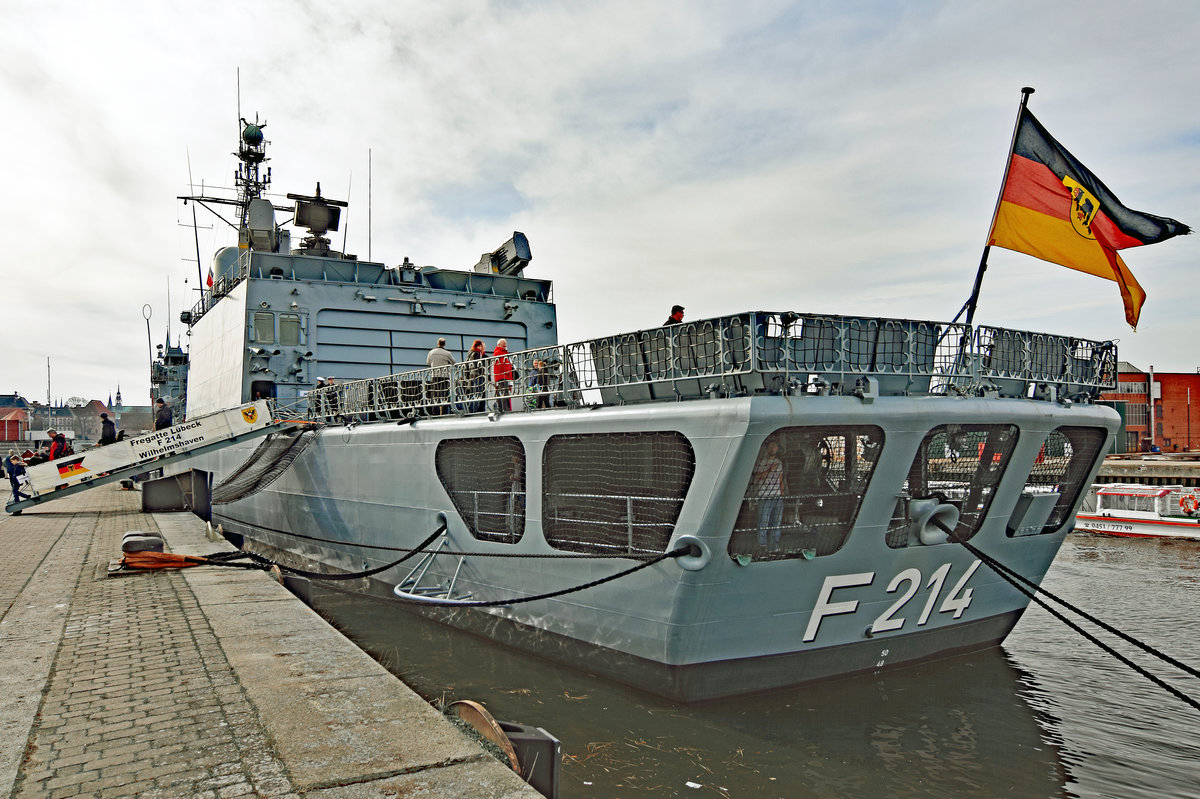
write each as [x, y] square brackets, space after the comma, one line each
[108, 430]
[15, 467]
[163, 417]
[676, 316]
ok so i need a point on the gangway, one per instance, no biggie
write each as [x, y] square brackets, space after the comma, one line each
[71, 474]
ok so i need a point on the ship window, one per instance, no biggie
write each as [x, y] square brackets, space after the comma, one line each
[614, 493]
[1060, 469]
[264, 327]
[959, 464]
[485, 478]
[289, 329]
[805, 490]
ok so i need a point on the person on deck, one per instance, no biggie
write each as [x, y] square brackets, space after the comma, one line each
[439, 360]
[676, 316]
[768, 487]
[108, 430]
[163, 417]
[502, 375]
[476, 375]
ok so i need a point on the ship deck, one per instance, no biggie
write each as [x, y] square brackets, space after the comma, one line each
[741, 355]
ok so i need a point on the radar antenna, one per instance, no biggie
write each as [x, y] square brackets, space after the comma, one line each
[252, 152]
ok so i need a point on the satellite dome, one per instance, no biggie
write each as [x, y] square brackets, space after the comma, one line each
[252, 135]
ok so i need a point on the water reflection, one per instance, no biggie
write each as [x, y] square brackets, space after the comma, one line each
[958, 728]
[1048, 716]
[1121, 736]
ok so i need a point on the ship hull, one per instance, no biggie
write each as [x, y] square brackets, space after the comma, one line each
[361, 494]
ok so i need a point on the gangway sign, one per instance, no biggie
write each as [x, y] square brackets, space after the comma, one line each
[97, 466]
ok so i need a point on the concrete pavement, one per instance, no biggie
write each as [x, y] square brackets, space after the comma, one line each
[207, 682]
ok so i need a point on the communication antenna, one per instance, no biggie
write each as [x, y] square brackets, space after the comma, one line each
[346, 229]
[195, 226]
[369, 226]
[147, 312]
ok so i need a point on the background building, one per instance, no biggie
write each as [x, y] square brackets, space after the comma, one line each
[1158, 409]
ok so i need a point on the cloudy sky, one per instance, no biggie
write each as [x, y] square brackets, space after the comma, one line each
[833, 157]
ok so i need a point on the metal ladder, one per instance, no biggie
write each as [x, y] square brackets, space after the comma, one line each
[411, 586]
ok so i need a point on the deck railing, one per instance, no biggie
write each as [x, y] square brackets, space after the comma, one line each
[739, 355]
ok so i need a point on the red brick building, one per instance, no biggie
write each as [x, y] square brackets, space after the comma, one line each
[1168, 402]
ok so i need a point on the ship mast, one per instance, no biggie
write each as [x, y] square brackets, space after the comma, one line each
[255, 221]
[250, 182]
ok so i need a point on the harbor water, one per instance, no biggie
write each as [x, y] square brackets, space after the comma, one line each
[1049, 715]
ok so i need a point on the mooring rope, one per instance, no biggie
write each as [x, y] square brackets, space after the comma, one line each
[159, 560]
[166, 560]
[530, 555]
[1016, 580]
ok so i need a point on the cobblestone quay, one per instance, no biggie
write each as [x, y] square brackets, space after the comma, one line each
[205, 682]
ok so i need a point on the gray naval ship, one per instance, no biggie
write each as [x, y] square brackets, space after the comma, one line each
[781, 496]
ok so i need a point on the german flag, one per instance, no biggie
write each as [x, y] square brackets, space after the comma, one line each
[1052, 207]
[71, 468]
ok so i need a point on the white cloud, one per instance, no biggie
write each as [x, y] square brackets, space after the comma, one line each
[839, 157]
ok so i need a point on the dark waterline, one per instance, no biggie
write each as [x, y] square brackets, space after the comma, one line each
[1047, 716]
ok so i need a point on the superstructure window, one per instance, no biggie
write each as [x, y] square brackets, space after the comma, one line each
[614, 493]
[485, 478]
[959, 464]
[289, 329]
[264, 327]
[1059, 473]
[805, 490]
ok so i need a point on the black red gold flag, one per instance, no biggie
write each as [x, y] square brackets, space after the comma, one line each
[1052, 207]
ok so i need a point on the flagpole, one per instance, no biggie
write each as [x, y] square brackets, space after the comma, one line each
[969, 307]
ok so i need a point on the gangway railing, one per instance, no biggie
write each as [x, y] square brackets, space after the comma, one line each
[100, 465]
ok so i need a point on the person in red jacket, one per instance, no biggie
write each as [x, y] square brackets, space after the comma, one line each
[502, 374]
[58, 444]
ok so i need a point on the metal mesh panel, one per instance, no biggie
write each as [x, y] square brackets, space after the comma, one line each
[960, 464]
[485, 478]
[1061, 467]
[805, 490]
[614, 492]
[266, 464]
[758, 352]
